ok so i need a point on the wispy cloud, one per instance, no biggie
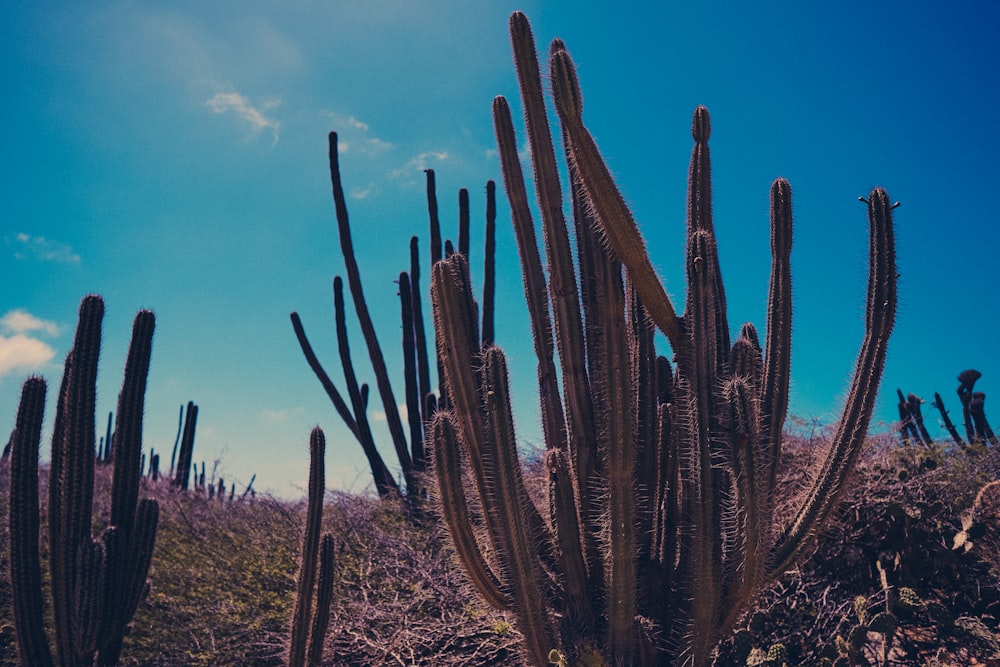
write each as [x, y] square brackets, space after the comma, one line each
[419, 163]
[362, 193]
[20, 351]
[244, 110]
[356, 135]
[20, 321]
[41, 249]
[281, 416]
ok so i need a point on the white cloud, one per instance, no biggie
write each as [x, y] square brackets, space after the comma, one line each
[379, 415]
[419, 163]
[282, 416]
[20, 352]
[20, 321]
[356, 135]
[240, 105]
[41, 249]
[362, 193]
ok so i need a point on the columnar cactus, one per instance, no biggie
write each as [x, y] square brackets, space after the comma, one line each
[420, 399]
[182, 475]
[662, 480]
[97, 583]
[309, 622]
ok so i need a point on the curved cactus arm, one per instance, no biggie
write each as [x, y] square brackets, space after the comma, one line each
[364, 317]
[384, 482]
[777, 357]
[616, 220]
[509, 501]
[454, 509]
[322, 376]
[879, 319]
[23, 518]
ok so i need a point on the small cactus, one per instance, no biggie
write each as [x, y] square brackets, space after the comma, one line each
[311, 617]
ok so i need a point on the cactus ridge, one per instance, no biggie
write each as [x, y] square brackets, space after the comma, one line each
[660, 525]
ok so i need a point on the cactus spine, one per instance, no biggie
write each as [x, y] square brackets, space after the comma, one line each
[662, 480]
[97, 583]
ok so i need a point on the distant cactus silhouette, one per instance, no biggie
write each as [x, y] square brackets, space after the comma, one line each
[661, 481]
[97, 583]
[182, 473]
[977, 427]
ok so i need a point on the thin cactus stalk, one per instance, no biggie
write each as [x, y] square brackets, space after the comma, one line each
[952, 431]
[97, 583]
[310, 617]
[662, 480]
[182, 478]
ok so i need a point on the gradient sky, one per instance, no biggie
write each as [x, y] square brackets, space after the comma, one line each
[173, 156]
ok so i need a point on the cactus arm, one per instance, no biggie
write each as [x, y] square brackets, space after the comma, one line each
[880, 316]
[23, 518]
[71, 485]
[562, 276]
[322, 376]
[364, 317]
[535, 290]
[454, 509]
[306, 584]
[489, 265]
[509, 500]
[616, 220]
[324, 596]
[128, 427]
[567, 523]
[384, 482]
[419, 333]
[410, 374]
[777, 358]
[620, 568]
[464, 242]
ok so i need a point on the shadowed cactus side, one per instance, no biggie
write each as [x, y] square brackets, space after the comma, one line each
[660, 526]
[97, 583]
[312, 617]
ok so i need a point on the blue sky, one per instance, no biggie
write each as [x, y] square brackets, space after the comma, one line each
[172, 156]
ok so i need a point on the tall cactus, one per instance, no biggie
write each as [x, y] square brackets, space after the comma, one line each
[309, 622]
[662, 480]
[97, 583]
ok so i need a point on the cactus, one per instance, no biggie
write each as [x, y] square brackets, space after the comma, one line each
[309, 623]
[420, 399]
[97, 583]
[182, 476]
[662, 478]
[977, 427]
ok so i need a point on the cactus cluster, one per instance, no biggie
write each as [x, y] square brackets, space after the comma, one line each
[421, 399]
[978, 432]
[96, 583]
[661, 521]
[312, 617]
